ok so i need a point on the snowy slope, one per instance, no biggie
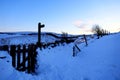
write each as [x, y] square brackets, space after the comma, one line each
[98, 61]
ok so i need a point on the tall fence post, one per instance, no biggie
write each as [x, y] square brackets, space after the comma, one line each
[39, 34]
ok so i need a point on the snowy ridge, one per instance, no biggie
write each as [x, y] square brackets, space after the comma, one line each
[28, 38]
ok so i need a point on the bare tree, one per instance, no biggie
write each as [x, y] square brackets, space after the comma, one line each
[97, 30]
[64, 35]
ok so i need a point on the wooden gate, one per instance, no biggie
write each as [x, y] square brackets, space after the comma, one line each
[24, 57]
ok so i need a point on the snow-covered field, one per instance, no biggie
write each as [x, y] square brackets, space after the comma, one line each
[98, 61]
[23, 38]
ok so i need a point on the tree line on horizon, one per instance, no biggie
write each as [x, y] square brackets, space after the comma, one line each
[96, 29]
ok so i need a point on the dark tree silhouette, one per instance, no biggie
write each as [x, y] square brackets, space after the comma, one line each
[97, 30]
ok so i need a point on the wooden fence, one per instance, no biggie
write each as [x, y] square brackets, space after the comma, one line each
[24, 57]
[76, 49]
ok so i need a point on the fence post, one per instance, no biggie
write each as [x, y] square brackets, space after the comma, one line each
[76, 49]
[73, 51]
[39, 34]
[85, 39]
[13, 54]
[18, 57]
[33, 58]
[24, 56]
[29, 58]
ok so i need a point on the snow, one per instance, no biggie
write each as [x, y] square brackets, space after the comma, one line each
[19, 38]
[97, 61]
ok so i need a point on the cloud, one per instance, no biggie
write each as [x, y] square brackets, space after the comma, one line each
[84, 26]
[77, 23]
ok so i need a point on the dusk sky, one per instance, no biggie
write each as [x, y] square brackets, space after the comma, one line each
[71, 16]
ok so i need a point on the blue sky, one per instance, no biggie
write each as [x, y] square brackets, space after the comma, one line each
[71, 16]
